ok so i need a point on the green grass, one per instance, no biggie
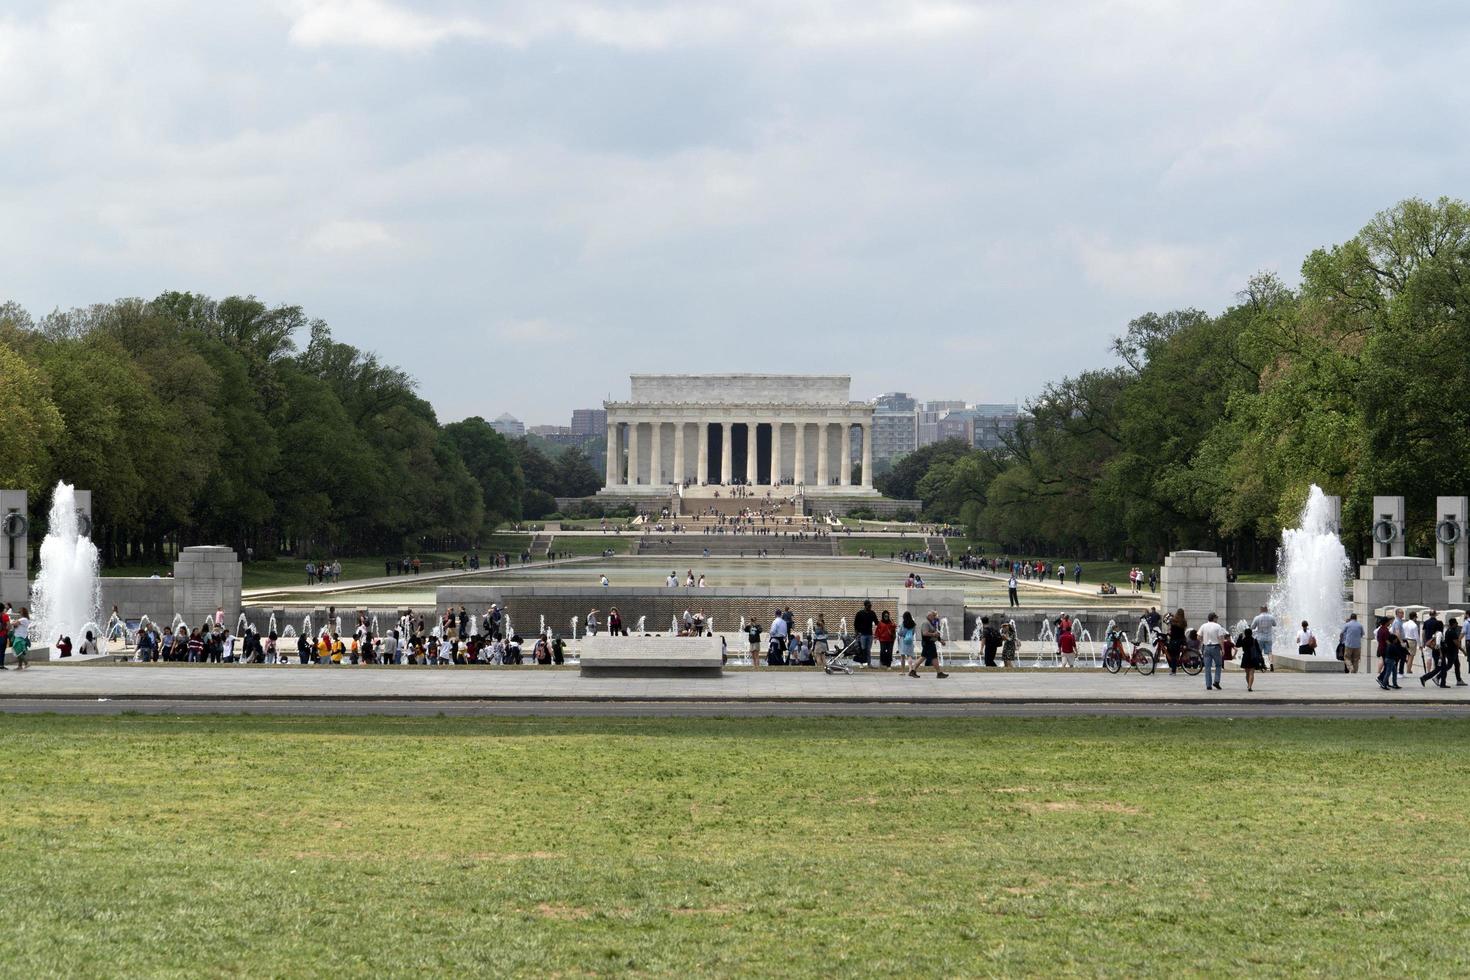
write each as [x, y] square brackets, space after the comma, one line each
[578, 545]
[881, 547]
[378, 847]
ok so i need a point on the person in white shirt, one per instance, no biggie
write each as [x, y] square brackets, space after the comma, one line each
[1411, 641]
[20, 638]
[1263, 629]
[1212, 638]
[1306, 643]
[778, 632]
[672, 581]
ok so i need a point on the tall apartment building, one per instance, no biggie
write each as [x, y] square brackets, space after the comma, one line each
[895, 426]
[589, 422]
[993, 425]
[928, 419]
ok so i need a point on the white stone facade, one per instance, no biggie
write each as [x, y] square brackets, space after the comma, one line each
[756, 429]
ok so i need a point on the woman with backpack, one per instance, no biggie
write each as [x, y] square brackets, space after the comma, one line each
[907, 632]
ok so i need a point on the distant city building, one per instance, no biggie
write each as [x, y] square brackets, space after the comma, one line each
[927, 424]
[550, 431]
[589, 422]
[509, 426]
[959, 424]
[895, 426]
[993, 425]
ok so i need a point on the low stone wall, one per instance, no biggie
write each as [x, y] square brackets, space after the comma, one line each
[205, 579]
[137, 597]
[1243, 600]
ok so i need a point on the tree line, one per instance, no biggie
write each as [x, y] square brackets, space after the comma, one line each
[195, 420]
[1210, 429]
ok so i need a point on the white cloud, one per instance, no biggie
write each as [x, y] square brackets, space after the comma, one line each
[349, 236]
[1149, 270]
[376, 24]
[530, 332]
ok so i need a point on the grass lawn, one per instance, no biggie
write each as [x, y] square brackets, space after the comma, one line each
[577, 545]
[880, 547]
[375, 847]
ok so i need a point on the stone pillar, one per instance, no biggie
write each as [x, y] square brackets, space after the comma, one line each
[727, 457]
[84, 513]
[798, 471]
[775, 452]
[656, 453]
[614, 470]
[751, 452]
[1195, 582]
[822, 453]
[1449, 534]
[15, 551]
[868, 454]
[844, 477]
[1388, 583]
[702, 453]
[1388, 527]
[206, 579]
[633, 452]
[679, 434]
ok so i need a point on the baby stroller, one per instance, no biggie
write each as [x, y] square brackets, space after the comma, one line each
[846, 657]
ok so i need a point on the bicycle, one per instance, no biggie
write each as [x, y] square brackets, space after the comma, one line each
[1115, 658]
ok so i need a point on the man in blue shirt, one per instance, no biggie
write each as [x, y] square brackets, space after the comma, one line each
[1352, 645]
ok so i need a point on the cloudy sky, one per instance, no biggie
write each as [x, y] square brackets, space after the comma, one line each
[523, 202]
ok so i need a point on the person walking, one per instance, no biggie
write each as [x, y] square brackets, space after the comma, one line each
[592, 623]
[1449, 655]
[929, 644]
[885, 632]
[1389, 646]
[20, 638]
[1251, 657]
[1410, 636]
[1351, 639]
[1212, 638]
[1263, 628]
[863, 623]
[1178, 625]
[907, 632]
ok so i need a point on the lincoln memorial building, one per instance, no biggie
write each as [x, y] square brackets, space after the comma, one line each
[773, 430]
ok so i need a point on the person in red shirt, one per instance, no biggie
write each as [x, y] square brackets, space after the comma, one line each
[884, 633]
[1067, 644]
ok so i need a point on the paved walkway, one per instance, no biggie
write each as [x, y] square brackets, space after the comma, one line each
[237, 682]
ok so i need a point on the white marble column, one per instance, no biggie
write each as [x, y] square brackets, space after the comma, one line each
[775, 452]
[844, 475]
[633, 453]
[798, 471]
[751, 455]
[727, 457]
[679, 434]
[702, 453]
[822, 453]
[868, 454]
[612, 470]
[656, 453]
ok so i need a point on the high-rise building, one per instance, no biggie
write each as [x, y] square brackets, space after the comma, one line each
[895, 426]
[929, 416]
[589, 422]
[993, 425]
[509, 426]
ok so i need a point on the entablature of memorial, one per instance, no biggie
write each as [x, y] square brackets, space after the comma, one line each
[694, 412]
